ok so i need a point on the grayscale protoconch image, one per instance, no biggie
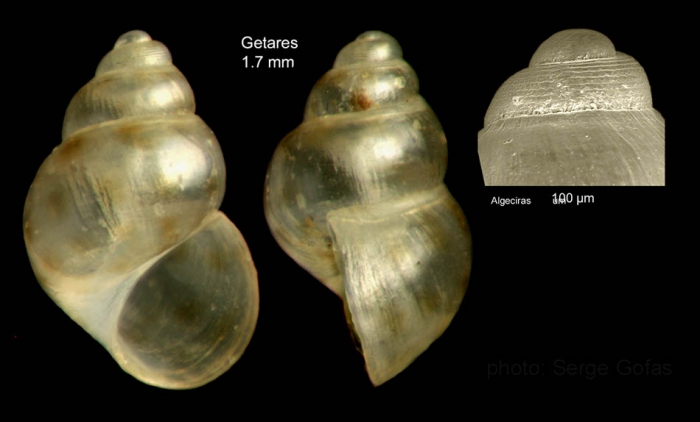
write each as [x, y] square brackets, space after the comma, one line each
[355, 195]
[580, 114]
[122, 226]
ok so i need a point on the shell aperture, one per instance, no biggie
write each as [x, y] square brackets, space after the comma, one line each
[122, 226]
[355, 195]
[580, 114]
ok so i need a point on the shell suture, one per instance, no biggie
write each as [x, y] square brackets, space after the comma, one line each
[123, 230]
[580, 114]
[356, 196]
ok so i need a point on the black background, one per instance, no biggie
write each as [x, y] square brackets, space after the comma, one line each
[590, 284]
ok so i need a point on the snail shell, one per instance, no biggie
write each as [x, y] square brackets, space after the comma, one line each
[355, 195]
[123, 230]
[580, 114]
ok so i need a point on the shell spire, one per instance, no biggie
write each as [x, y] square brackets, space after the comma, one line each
[355, 195]
[580, 114]
[123, 230]
[368, 74]
[136, 79]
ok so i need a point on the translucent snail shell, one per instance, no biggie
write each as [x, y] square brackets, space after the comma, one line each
[355, 195]
[580, 114]
[122, 226]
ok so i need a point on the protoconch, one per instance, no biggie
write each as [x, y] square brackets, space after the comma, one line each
[123, 230]
[581, 114]
[355, 195]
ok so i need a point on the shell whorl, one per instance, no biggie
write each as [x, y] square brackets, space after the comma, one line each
[363, 141]
[122, 226]
[356, 196]
[580, 114]
[574, 70]
[135, 80]
[368, 74]
[133, 122]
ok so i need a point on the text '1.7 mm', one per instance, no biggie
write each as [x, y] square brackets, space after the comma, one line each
[257, 62]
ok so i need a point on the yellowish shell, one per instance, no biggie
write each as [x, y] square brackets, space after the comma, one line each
[356, 196]
[123, 230]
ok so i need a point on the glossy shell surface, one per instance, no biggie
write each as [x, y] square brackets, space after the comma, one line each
[356, 196]
[123, 230]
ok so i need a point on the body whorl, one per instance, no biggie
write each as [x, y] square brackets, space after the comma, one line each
[356, 196]
[123, 230]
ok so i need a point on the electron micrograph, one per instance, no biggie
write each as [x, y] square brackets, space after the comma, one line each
[581, 114]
